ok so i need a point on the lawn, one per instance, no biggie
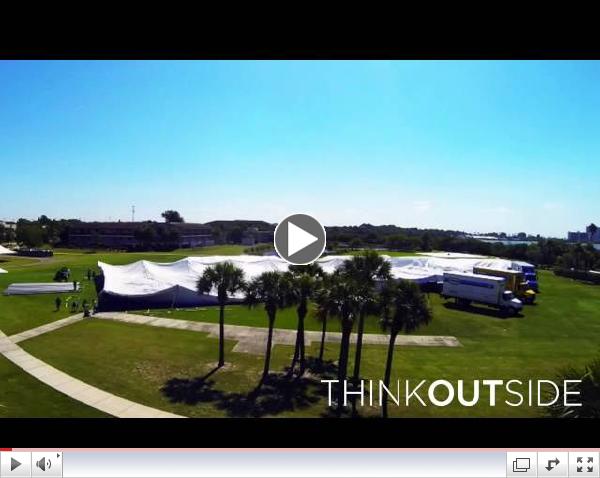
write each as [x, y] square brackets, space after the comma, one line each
[19, 313]
[162, 367]
[21, 395]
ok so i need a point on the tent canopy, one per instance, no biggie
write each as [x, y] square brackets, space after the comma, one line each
[2, 271]
[145, 278]
[4, 250]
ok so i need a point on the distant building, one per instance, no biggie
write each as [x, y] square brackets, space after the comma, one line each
[254, 236]
[9, 225]
[123, 234]
[586, 236]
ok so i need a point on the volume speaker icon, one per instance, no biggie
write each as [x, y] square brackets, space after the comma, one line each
[43, 464]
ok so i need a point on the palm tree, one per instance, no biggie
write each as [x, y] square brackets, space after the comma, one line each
[322, 299]
[404, 309]
[228, 280]
[365, 269]
[274, 290]
[343, 302]
[304, 283]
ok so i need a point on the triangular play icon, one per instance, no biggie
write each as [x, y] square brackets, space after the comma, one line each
[14, 464]
[298, 238]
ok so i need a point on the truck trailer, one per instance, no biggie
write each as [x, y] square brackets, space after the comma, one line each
[515, 282]
[466, 287]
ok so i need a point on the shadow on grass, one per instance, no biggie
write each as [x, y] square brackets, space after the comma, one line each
[276, 394]
[481, 310]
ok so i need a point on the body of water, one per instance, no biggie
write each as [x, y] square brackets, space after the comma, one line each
[507, 242]
[514, 243]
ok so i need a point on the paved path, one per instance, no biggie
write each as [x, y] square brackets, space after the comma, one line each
[253, 340]
[74, 388]
[42, 329]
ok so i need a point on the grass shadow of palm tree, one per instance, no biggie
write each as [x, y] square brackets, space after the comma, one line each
[192, 391]
[277, 393]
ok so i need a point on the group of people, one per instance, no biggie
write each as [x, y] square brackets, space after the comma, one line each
[87, 309]
[73, 302]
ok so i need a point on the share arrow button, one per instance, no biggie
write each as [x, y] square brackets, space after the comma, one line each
[300, 239]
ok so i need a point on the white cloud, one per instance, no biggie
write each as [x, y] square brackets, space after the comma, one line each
[422, 206]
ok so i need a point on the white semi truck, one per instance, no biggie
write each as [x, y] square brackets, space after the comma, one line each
[466, 287]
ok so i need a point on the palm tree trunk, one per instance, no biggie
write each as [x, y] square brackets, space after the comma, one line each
[302, 347]
[323, 333]
[221, 335]
[359, 340]
[357, 357]
[388, 373]
[297, 345]
[269, 344]
[343, 365]
[299, 351]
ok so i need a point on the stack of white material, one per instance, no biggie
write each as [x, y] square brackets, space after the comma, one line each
[4, 250]
[40, 288]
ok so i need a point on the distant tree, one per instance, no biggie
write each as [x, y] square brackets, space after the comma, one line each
[217, 234]
[227, 279]
[44, 220]
[172, 216]
[10, 235]
[355, 243]
[236, 235]
[426, 242]
[29, 234]
[145, 235]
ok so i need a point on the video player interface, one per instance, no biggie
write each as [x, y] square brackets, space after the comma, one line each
[334, 463]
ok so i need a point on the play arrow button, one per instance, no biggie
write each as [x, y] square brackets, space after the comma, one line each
[14, 464]
[300, 239]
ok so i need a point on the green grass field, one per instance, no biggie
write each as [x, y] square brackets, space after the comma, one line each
[163, 367]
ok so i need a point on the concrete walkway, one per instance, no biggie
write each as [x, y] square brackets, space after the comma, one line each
[72, 387]
[42, 329]
[253, 340]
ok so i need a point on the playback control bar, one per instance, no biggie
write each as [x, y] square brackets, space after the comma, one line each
[298, 463]
[31, 464]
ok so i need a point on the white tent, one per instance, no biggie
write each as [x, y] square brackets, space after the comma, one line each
[4, 250]
[2, 271]
[146, 284]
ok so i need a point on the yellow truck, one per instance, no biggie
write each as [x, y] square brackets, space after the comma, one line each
[515, 282]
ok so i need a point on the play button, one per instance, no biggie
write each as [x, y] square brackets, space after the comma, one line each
[14, 464]
[300, 239]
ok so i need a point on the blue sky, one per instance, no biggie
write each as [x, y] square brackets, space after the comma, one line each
[476, 146]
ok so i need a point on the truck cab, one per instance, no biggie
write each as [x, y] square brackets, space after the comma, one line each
[529, 273]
